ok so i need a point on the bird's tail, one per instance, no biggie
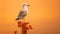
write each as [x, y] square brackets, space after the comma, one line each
[17, 18]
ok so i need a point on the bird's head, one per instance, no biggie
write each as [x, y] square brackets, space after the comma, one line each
[25, 5]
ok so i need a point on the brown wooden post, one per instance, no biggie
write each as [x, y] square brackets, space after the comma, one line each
[25, 26]
[24, 31]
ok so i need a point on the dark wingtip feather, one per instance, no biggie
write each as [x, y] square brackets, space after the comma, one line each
[17, 18]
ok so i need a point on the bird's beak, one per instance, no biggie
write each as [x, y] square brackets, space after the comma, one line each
[28, 5]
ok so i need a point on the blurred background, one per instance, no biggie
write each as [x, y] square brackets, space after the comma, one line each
[44, 16]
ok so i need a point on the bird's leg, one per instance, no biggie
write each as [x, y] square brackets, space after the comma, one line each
[24, 20]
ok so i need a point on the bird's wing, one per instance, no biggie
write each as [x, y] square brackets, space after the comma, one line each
[20, 13]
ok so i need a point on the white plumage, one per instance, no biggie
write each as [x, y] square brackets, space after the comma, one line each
[23, 12]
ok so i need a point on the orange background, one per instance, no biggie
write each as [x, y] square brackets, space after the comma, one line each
[43, 16]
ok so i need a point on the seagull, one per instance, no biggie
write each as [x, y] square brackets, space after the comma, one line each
[23, 12]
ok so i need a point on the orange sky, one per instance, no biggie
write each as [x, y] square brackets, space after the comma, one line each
[43, 16]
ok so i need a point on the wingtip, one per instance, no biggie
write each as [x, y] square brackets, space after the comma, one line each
[17, 19]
